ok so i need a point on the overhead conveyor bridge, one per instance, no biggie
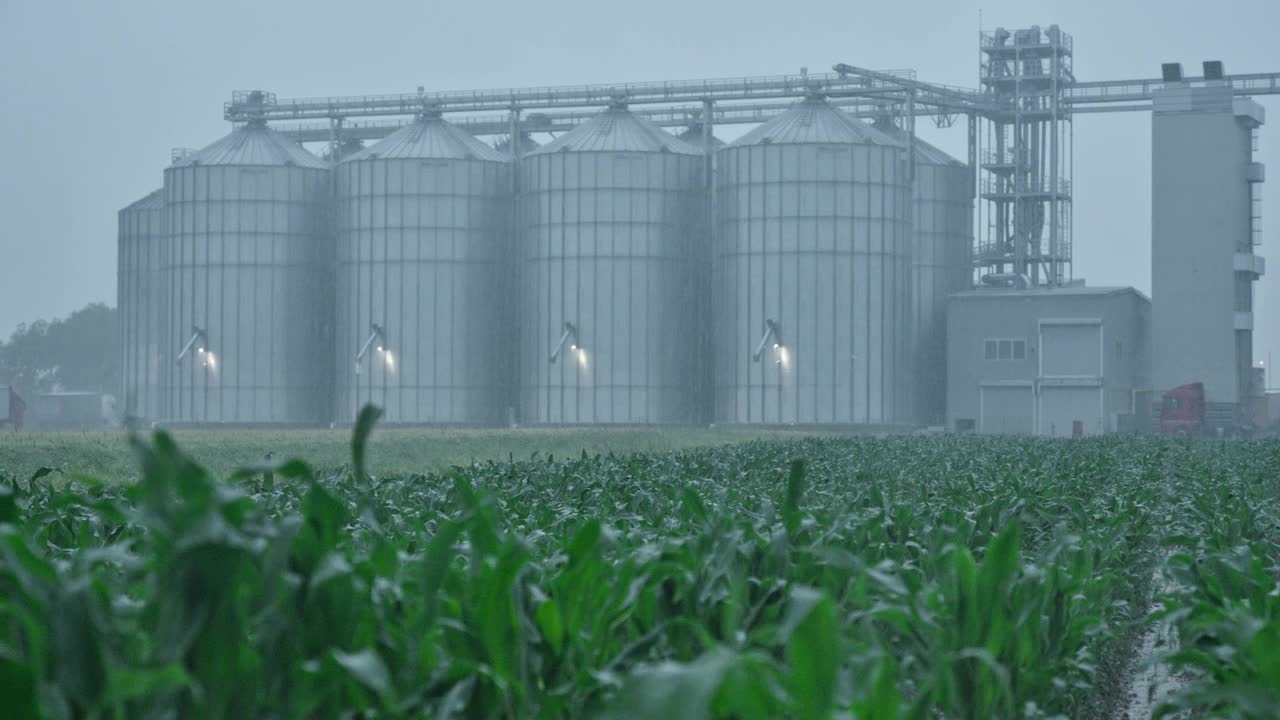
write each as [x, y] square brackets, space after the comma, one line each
[1018, 124]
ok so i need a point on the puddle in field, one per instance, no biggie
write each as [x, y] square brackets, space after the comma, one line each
[1151, 682]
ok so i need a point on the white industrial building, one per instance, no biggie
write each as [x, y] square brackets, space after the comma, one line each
[1041, 360]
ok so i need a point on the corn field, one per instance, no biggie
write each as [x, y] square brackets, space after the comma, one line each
[870, 578]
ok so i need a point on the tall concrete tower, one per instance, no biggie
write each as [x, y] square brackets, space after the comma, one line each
[1204, 228]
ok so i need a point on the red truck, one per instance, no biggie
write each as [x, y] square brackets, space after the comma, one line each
[1182, 410]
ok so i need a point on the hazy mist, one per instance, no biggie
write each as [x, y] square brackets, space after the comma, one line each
[97, 94]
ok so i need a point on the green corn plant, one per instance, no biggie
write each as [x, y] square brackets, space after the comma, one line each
[868, 578]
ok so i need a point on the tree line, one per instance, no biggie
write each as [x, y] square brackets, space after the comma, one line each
[79, 352]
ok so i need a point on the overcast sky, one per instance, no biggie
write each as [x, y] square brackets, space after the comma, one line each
[95, 94]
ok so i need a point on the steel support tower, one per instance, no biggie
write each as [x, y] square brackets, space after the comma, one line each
[1025, 236]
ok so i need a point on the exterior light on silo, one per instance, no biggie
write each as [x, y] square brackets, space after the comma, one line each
[771, 332]
[199, 338]
[570, 335]
[378, 335]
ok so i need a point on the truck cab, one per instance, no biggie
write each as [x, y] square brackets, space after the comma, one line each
[1182, 410]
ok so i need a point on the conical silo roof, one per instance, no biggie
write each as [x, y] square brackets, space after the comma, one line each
[924, 152]
[253, 144]
[618, 130]
[152, 201]
[813, 120]
[430, 138]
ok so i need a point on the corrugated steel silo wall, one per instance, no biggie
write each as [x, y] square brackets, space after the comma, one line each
[609, 244]
[423, 246]
[139, 302]
[942, 258]
[817, 238]
[249, 261]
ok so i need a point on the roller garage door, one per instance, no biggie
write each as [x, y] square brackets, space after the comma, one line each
[1070, 384]
[1071, 348]
[1060, 406]
[1006, 409]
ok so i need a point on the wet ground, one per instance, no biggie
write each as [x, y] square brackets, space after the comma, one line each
[1151, 681]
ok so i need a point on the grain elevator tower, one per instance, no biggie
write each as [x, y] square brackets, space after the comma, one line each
[1204, 230]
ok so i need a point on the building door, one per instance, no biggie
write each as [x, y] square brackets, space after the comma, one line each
[1006, 409]
[1060, 407]
[1071, 368]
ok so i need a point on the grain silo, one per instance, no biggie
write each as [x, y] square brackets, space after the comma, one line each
[248, 283]
[942, 264]
[423, 326]
[609, 214]
[139, 301]
[812, 273]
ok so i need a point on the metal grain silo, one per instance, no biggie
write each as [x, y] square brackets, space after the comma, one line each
[942, 224]
[812, 273]
[139, 300]
[609, 214]
[248, 283]
[424, 267]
